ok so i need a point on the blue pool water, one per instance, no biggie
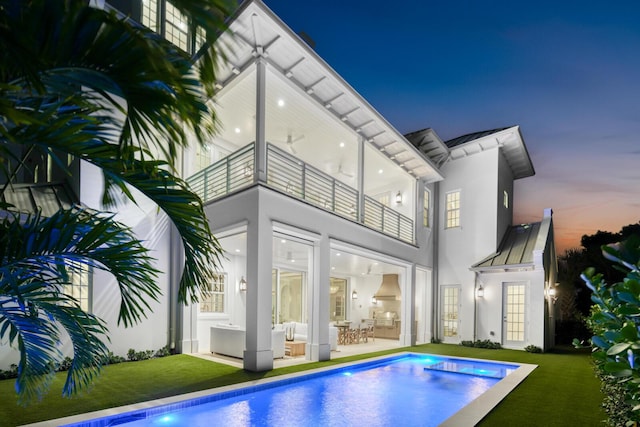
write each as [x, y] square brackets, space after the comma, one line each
[411, 390]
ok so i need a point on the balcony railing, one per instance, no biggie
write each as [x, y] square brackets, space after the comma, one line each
[291, 175]
[385, 219]
[224, 176]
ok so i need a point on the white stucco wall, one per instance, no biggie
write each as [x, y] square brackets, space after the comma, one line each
[152, 227]
[476, 177]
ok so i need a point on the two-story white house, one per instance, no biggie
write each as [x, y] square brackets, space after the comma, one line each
[328, 214]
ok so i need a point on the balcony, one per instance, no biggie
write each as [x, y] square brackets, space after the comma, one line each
[298, 179]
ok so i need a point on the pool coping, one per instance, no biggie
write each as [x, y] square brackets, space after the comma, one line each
[469, 415]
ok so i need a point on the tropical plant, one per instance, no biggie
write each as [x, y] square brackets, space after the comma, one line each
[82, 82]
[614, 320]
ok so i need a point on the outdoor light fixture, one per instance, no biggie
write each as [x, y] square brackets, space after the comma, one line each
[243, 285]
[354, 294]
[480, 292]
[374, 301]
[399, 198]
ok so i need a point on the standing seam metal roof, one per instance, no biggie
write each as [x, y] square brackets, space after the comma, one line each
[516, 248]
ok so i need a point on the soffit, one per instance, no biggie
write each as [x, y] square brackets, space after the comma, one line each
[510, 142]
[258, 32]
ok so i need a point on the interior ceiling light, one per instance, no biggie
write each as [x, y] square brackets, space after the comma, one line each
[280, 103]
[237, 130]
[380, 171]
[341, 144]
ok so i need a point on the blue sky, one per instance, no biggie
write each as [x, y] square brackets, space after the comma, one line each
[567, 72]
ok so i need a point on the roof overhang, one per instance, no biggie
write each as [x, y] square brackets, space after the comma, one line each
[256, 32]
[511, 143]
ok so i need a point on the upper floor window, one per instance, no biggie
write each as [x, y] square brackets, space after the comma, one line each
[505, 199]
[213, 295]
[425, 208]
[176, 29]
[452, 213]
[150, 14]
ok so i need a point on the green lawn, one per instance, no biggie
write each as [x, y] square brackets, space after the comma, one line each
[562, 391]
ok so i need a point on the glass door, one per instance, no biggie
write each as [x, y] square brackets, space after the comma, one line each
[450, 310]
[514, 317]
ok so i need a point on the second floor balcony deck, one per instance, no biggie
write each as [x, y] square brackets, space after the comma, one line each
[290, 175]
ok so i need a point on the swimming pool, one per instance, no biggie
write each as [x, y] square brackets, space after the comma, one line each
[408, 389]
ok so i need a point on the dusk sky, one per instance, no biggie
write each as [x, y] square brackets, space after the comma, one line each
[567, 72]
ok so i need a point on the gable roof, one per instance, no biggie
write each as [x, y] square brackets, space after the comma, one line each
[510, 142]
[256, 32]
[515, 251]
[429, 144]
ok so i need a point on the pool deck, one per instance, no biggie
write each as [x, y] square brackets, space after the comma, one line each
[470, 415]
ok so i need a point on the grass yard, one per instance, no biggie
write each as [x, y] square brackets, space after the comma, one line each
[562, 391]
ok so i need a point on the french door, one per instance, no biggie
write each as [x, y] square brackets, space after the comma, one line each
[450, 313]
[514, 313]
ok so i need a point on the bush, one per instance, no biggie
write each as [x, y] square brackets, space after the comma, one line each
[134, 356]
[11, 373]
[482, 344]
[112, 359]
[435, 340]
[533, 349]
[614, 320]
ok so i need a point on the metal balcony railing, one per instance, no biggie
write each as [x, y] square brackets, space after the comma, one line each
[291, 175]
[385, 219]
[224, 176]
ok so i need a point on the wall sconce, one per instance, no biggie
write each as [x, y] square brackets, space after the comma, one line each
[398, 198]
[480, 292]
[354, 294]
[243, 285]
[550, 293]
[374, 300]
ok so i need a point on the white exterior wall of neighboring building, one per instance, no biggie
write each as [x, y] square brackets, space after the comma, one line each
[476, 178]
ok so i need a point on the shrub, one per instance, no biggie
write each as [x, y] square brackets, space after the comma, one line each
[11, 373]
[482, 344]
[134, 356]
[533, 349]
[614, 320]
[435, 340]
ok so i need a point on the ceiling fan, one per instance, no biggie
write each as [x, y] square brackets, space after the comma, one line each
[341, 171]
[291, 141]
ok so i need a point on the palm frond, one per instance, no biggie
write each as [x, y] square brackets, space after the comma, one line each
[35, 254]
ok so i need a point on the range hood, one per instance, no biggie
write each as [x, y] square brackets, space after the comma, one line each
[389, 289]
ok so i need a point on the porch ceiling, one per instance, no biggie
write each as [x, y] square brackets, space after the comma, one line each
[256, 32]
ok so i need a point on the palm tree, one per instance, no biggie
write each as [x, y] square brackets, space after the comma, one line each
[79, 81]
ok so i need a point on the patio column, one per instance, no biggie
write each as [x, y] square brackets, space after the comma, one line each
[318, 346]
[258, 355]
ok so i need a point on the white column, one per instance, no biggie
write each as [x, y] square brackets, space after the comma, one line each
[318, 346]
[258, 355]
[260, 170]
[360, 176]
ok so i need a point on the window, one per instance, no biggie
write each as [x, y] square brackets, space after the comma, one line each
[150, 14]
[78, 285]
[452, 204]
[425, 208]
[338, 297]
[212, 298]
[505, 199]
[383, 199]
[176, 27]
